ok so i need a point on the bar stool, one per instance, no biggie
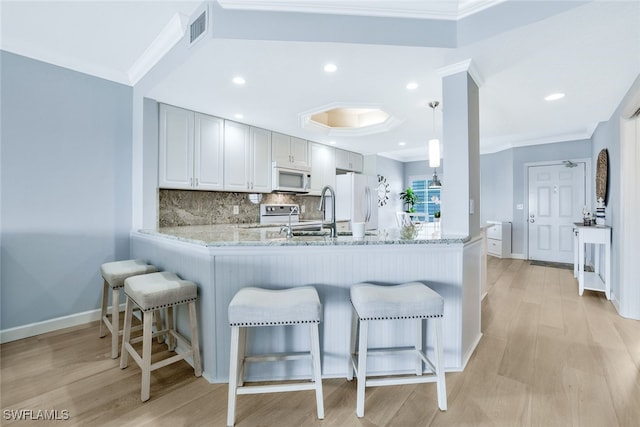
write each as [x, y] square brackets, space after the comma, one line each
[252, 307]
[114, 275]
[407, 301]
[151, 292]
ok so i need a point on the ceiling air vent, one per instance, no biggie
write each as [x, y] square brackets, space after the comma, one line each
[198, 27]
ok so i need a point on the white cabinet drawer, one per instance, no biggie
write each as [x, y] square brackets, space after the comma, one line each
[494, 247]
[494, 232]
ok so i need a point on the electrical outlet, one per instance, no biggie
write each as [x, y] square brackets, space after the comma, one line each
[236, 209]
[520, 206]
[302, 209]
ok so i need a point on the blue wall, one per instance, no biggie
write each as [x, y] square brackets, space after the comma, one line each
[607, 135]
[65, 188]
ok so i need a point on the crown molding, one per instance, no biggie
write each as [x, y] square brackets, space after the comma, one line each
[467, 65]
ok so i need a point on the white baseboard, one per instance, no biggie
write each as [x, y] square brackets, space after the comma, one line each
[33, 329]
[517, 256]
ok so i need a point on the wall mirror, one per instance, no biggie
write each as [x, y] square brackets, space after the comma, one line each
[602, 178]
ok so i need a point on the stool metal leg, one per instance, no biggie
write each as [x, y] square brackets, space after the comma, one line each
[362, 367]
[317, 371]
[103, 311]
[440, 383]
[233, 374]
[195, 343]
[147, 340]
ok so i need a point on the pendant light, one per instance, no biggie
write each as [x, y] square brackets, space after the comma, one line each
[434, 150]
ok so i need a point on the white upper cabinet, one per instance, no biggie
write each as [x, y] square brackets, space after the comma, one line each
[323, 167]
[236, 156]
[289, 150]
[247, 158]
[349, 161]
[260, 160]
[208, 152]
[190, 150]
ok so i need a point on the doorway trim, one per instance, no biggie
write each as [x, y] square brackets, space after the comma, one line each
[588, 197]
[627, 298]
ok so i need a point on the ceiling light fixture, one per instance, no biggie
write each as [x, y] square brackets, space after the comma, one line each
[434, 150]
[330, 68]
[402, 143]
[554, 96]
[239, 80]
[412, 85]
[238, 116]
[332, 142]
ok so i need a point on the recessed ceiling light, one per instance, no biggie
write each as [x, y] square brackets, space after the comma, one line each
[332, 142]
[401, 143]
[238, 116]
[330, 68]
[554, 96]
[412, 85]
[239, 80]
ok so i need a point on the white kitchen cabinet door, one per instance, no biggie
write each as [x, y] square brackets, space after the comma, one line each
[357, 162]
[289, 150]
[299, 152]
[175, 147]
[208, 152]
[236, 156]
[323, 167]
[281, 148]
[349, 161]
[260, 168]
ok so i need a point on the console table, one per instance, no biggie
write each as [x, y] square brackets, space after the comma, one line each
[596, 235]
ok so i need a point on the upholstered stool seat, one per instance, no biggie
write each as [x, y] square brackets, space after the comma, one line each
[253, 307]
[407, 301]
[114, 275]
[152, 292]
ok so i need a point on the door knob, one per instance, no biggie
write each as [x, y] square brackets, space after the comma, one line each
[532, 220]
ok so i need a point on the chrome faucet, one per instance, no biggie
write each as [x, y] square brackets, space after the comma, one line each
[288, 228]
[332, 225]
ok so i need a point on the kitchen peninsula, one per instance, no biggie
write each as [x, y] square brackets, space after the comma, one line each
[222, 259]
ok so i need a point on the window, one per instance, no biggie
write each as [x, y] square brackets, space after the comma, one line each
[428, 198]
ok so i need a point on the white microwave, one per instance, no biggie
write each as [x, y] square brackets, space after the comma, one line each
[288, 179]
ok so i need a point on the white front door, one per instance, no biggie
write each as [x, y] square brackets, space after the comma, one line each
[556, 198]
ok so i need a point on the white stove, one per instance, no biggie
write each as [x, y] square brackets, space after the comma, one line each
[279, 213]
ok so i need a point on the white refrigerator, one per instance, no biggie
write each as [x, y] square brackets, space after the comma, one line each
[357, 199]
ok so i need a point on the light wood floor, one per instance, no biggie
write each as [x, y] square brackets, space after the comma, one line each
[547, 358]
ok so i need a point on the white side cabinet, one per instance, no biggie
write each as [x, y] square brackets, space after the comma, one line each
[247, 158]
[323, 167]
[190, 150]
[349, 161]
[499, 239]
[289, 150]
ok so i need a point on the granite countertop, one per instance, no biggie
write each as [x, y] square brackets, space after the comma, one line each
[255, 235]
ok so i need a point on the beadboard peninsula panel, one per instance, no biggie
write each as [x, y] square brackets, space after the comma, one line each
[332, 272]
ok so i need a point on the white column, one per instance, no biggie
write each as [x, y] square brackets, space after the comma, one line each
[461, 150]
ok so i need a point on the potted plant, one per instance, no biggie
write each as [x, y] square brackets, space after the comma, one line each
[409, 198]
[436, 213]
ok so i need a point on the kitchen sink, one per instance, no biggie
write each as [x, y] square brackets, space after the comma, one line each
[319, 232]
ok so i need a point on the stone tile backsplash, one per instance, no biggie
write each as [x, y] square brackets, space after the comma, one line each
[188, 207]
